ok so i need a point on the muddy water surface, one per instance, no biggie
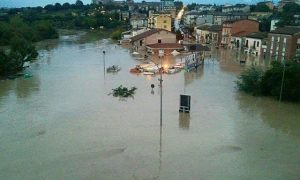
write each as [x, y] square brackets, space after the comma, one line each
[62, 124]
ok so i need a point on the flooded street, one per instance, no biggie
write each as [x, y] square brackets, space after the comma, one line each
[62, 124]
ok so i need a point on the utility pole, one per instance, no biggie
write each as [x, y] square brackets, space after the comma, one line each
[104, 63]
[282, 80]
[161, 89]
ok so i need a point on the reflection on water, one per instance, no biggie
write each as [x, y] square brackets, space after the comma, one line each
[193, 75]
[184, 120]
[25, 87]
[282, 116]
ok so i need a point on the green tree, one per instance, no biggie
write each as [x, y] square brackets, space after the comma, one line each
[261, 8]
[250, 80]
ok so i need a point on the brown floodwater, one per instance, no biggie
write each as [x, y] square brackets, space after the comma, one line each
[62, 124]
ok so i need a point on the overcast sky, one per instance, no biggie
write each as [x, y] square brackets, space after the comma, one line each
[26, 3]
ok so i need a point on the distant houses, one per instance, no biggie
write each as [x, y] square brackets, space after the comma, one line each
[155, 39]
[284, 43]
[237, 28]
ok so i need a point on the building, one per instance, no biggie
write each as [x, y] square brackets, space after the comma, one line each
[161, 21]
[204, 19]
[167, 5]
[209, 34]
[270, 4]
[205, 7]
[259, 15]
[147, 6]
[236, 8]
[138, 20]
[284, 2]
[284, 43]
[101, 1]
[189, 18]
[166, 48]
[220, 17]
[256, 43]
[273, 24]
[238, 39]
[237, 28]
[153, 36]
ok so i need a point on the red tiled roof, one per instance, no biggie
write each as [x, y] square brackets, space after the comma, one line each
[165, 46]
[241, 34]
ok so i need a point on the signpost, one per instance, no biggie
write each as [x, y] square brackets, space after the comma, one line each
[185, 103]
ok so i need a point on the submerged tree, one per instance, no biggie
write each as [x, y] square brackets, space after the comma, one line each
[250, 81]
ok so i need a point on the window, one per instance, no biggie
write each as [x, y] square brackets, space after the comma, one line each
[278, 39]
[257, 43]
[159, 41]
[284, 40]
[283, 49]
[165, 21]
[272, 38]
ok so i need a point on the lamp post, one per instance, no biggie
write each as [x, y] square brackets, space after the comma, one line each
[104, 63]
[282, 80]
[161, 89]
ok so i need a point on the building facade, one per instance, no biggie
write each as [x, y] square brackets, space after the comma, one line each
[284, 43]
[236, 8]
[153, 36]
[161, 21]
[220, 17]
[237, 28]
[256, 43]
[138, 20]
[209, 34]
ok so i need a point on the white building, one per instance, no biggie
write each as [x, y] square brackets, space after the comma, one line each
[273, 23]
[256, 43]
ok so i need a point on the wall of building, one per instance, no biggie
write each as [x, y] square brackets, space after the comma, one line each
[281, 46]
[254, 46]
[204, 19]
[163, 22]
[164, 36]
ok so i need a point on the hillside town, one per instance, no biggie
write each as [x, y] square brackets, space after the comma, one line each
[257, 30]
[156, 90]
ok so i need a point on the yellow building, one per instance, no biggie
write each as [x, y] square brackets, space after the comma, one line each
[160, 21]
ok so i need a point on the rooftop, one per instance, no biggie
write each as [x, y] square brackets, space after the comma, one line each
[241, 34]
[258, 35]
[214, 28]
[165, 46]
[233, 21]
[290, 30]
[147, 33]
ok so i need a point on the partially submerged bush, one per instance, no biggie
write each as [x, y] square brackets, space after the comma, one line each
[123, 91]
[250, 81]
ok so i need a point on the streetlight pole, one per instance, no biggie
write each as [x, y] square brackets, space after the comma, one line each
[282, 80]
[161, 90]
[104, 63]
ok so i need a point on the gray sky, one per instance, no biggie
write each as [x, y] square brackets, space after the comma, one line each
[26, 3]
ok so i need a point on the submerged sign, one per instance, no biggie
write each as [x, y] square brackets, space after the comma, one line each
[185, 103]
